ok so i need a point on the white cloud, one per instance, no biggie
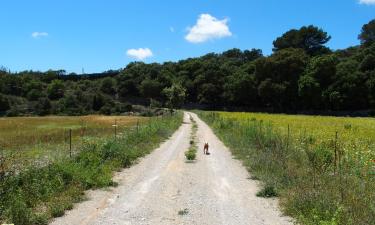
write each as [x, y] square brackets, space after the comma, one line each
[139, 54]
[208, 28]
[367, 2]
[171, 29]
[39, 34]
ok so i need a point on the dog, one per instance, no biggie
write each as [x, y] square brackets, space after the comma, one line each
[205, 149]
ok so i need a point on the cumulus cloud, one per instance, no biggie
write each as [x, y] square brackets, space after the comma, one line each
[367, 2]
[208, 28]
[140, 53]
[39, 34]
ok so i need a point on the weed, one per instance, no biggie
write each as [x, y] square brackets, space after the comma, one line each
[57, 210]
[267, 192]
[253, 177]
[190, 155]
[183, 212]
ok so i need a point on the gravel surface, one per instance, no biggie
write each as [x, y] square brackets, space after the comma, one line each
[165, 189]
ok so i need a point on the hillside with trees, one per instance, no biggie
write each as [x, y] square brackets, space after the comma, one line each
[301, 75]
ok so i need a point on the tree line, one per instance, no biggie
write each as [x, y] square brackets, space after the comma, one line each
[302, 74]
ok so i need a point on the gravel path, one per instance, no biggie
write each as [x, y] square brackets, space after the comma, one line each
[213, 190]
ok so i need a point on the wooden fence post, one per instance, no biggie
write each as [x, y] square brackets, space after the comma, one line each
[70, 143]
[287, 141]
[335, 159]
[137, 126]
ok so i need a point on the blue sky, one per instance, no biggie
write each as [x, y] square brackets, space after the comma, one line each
[98, 35]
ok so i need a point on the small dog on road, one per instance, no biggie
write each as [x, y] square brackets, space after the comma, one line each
[205, 149]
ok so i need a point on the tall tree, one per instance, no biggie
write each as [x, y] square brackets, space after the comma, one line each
[108, 86]
[310, 38]
[56, 89]
[4, 103]
[367, 35]
[176, 95]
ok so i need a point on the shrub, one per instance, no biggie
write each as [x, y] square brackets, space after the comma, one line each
[267, 192]
[57, 210]
[190, 155]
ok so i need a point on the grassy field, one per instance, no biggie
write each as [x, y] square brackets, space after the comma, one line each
[27, 140]
[322, 168]
[39, 192]
[16, 132]
[355, 136]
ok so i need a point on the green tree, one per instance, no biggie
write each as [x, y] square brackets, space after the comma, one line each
[272, 93]
[310, 92]
[279, 74]
[34, 94]
[150, 88]
[43, 107]
[241, 89]
[349, 91]
[108, 86]
[98, 102]
[368, 63]
[367, 35]
[253, 54]
[56, 90]
[310, 38]
[322, 69]
[4, 103]
[175, 95]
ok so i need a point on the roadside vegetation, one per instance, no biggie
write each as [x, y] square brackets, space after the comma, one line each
[323, 168]
[39, 140]
[36, 194]
[191, 153]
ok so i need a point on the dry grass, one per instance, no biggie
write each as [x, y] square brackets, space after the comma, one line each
[20, 131]
[29, 140]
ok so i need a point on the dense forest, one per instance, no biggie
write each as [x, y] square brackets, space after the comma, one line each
[301, 75]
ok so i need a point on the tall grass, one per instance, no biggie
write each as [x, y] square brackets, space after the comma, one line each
[319, 181]
[26, 141]
[37, 194]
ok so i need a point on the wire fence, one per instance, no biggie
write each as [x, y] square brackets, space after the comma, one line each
[38, 150]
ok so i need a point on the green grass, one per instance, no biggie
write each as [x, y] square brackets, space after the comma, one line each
[39, 140]
[319, 178]
[191, 153]
[36, 194]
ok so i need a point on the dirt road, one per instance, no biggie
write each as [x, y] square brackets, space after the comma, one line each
[213, 190]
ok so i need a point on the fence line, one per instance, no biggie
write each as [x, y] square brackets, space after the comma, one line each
[57, 145]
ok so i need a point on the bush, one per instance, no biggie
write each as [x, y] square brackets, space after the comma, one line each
[39, 219]
[57, 210]
[190, 155]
